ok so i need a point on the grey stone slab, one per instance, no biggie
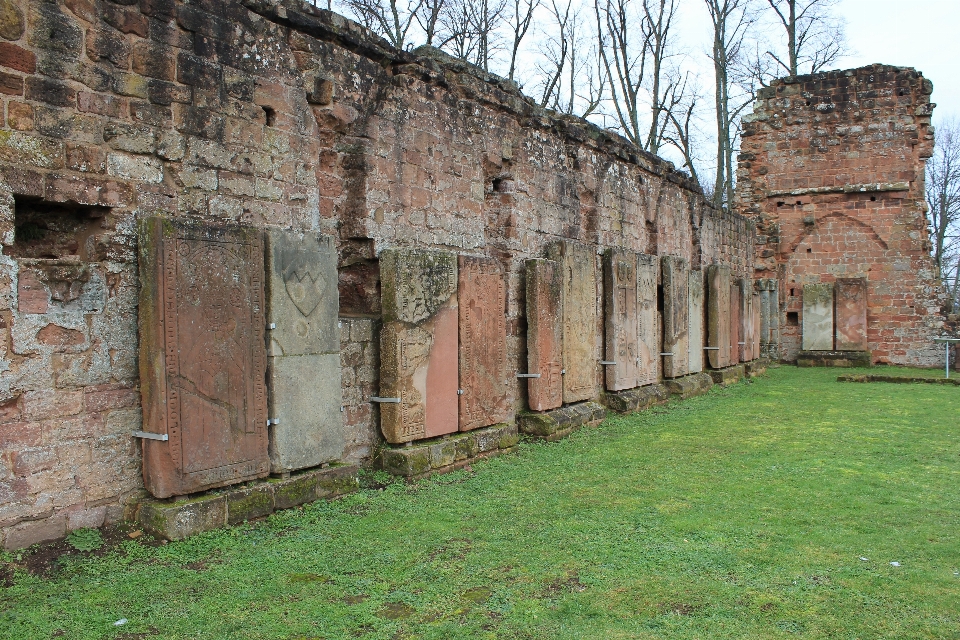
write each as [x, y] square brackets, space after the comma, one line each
[818, 317]
[580, 319]
[306, 422]
[302, 298]
[695, 320]
[622, 331]
[769, 337]
[675, 275]
[718, 316]
[648, 274]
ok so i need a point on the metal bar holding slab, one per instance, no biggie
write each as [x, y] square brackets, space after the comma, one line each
[528, 375]
[711, 348]
[146, 435]
[607, 362]
[387, 400]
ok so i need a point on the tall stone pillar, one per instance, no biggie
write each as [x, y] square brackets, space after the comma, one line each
[769, 318]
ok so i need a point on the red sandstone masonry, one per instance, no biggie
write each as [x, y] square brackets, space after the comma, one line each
[269, 114]
[832, 171]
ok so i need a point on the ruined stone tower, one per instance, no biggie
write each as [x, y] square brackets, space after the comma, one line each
[832, 170]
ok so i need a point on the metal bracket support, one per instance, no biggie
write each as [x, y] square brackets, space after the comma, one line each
[607, 362]
[666, 354]
[272, 325]
[711, 348]
[528, 375]
[146, 435]
[273, 421]
[386, 400]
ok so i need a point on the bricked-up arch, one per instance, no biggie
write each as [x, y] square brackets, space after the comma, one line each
[829, 218]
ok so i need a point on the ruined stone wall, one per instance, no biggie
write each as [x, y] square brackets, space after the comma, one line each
[832, 170]
[267, 114]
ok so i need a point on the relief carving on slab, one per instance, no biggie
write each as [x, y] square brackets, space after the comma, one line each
[718, 316]
[675, 277]
[483, 343]
[695, 319]
[580, 319]
[419, 344]
[622, 334]
[852, 314]
[648, 324]
[544, 334]
[736, 326]
[203, 356]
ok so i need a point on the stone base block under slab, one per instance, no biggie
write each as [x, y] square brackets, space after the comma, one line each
[900, 379]
[179, 518]
[833, 359]
[690, 386]
[637, 399]
[557, 424]
[728, 375]
[445, 453]
[756, 367]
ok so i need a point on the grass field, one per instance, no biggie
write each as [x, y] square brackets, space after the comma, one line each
[772, 509]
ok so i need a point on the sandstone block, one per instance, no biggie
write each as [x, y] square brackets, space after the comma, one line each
[727, 376]
[578, 268]
[851, 314]
[202, 355]
[251, 502]
[621, 319]
[736, 327]
[544, 334]
[26, 534]
[183, 518]
[411, 461]
[695, 319]
[418, 344]
[718, 316]
[648, 275]
[675, 275]
[818, 317]
[481, 300]
[637, 399]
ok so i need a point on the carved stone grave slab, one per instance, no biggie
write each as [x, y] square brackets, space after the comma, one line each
[202, 355]
[769, 317]
[718, 316]
[736, 327]
[578, 267]
[648, 268]
[747, 328]
[418, 345]
[481, 299]
[852, 314]
[622, 330]
[303, 372]
[756, 326]
[695, 319]
[544, 334]
[818, 317]
[675, 275]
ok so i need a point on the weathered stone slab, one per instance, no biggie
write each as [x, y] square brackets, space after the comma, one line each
[736, 344]
[544, 334]
[304, 351]
[449, 453]
[833, 359]
[852, 314]
[756, 325]
[690, 386]
[718, 316]
[769, 317]
[746, 320]
[622, 334]
[648, 268]
[728, 375]
[695, 319]
[818, 317]
[481, 299]
[418, 345]
[202, 355]
[675, 275]
[578, 267]
[559, 423]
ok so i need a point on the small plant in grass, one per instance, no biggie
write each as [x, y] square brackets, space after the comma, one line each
[85, 539]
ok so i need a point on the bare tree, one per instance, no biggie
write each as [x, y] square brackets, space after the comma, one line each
[815, 35]
[658, 16]
[731, 20]
[391, 19]
[570, 81]
[943, 197]
[623, 53]
[473, 29]
[428, 19]
[680, 130]
[520, 20]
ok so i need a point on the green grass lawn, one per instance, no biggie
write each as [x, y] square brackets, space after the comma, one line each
[772, 509]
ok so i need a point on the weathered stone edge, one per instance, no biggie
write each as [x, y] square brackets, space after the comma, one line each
[449, 452]
[177, 519]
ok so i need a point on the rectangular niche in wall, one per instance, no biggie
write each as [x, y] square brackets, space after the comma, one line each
[53, 230]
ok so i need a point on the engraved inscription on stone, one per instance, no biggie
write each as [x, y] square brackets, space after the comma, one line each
[202, 355]
[736, 326]
[303, 372]
[675, 277]
[544, 334]
[622, 334]
[483, 343]
[852, 314]
[580, 319]
[818, 317]
[419, 344]
[649, 327]
[695, 319]
[718, 316]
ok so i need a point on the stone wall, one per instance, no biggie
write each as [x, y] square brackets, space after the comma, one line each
[267, 114]
[832, 170]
